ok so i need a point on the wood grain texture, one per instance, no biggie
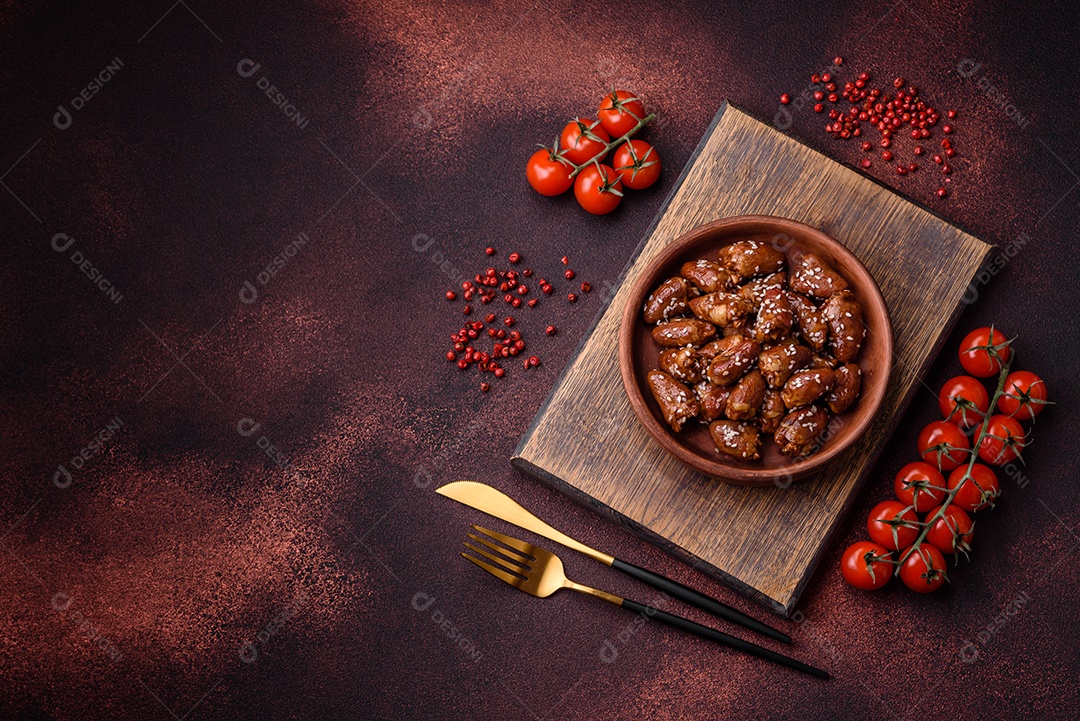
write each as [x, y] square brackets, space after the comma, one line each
[765, 542]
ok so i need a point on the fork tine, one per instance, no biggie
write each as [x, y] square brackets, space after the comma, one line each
[504, 563]
[518, 558]
[525, 548]
[497, 573]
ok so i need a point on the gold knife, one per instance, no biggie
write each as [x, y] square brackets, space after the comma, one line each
[496, 503]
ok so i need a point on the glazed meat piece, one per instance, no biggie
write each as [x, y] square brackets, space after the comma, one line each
[744, 331]
[735, 356]
[736, 439]
[684, 331]
[774, 316]
[712, 399]
[746, 397]
[846, 388]
[809, 320]
[682, 364]
[823, 360]
[712, 349]
[805, 387]
[676, 401]
[754, 291]
[846, 328]
[706, 275]
[772, 411]
[751, 257]
[800, 432]
[723, 309]
[667, 301]
[779, 362]
[814, 277]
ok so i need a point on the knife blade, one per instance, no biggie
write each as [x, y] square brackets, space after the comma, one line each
[495, 503]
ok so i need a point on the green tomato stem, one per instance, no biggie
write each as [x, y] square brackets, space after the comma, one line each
[974, 453]
[611, 144]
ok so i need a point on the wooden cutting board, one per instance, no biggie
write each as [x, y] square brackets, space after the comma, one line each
[765, 542]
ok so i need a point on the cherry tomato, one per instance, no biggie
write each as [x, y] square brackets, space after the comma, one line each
[952, 532]
[975, 357]
[1003, 442]
[924, 569]
[547, 174]
[582, 140]
[943, 445]
[637, 163]
[887, 525]
[920, 485]
[863, 565]
[1023, 396]
[620, 112]
[598, 189]
[964, 401]
[978, 491]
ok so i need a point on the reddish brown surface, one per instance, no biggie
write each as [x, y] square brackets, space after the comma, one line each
[181, 540]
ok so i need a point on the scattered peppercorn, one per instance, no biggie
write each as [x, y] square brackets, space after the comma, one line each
[485, 287]
[887, 112]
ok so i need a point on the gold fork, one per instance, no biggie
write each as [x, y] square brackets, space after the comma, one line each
[539, 572]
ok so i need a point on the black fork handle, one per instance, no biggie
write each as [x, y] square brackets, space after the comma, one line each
[700, 600]
[712, 634]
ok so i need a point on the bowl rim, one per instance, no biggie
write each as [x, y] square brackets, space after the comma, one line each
[662, 434]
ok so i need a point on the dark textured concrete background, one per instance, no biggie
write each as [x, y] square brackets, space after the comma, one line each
[184, 572]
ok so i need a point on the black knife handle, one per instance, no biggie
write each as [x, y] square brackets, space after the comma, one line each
[712, 634]
[694, 598]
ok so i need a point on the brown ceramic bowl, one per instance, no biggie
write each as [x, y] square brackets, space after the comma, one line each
[638, 353]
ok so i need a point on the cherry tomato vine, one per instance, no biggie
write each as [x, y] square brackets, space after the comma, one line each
[575, 158]
[946, 526]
